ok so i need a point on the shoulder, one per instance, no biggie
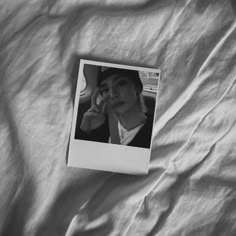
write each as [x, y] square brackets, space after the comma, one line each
[147, 128]
[149, 120]
[143, 137]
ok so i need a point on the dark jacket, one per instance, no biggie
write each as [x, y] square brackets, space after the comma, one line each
[101, 134]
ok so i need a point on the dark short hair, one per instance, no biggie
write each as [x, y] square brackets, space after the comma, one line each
[133, 75]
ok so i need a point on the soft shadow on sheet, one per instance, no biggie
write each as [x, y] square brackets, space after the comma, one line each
[190, 189]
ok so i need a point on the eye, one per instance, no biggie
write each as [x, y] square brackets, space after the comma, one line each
[104, 91]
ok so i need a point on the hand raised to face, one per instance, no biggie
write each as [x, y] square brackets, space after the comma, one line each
[95, 116]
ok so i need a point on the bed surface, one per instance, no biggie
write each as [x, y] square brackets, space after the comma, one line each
[191, 185]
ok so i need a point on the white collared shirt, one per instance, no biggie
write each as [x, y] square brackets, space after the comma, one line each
[126, 136]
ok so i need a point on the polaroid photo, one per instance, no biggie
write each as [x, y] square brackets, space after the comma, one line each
[113, 118]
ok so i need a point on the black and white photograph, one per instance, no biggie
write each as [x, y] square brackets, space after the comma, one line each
[118, 118]
[113, 117]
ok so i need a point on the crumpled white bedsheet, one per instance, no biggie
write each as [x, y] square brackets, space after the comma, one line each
[191, 185]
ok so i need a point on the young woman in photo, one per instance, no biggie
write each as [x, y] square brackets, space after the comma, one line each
[118, 113]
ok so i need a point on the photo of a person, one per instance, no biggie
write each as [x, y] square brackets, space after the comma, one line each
[118, 113]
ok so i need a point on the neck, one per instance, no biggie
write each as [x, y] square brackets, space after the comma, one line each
[132, 119]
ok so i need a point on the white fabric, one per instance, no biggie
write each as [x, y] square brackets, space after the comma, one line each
[190, 188]
[126, 136]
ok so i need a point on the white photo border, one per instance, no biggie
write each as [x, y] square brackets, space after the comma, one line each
[106, 156]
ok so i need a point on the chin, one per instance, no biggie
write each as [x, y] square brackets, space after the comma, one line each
[120, 110]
